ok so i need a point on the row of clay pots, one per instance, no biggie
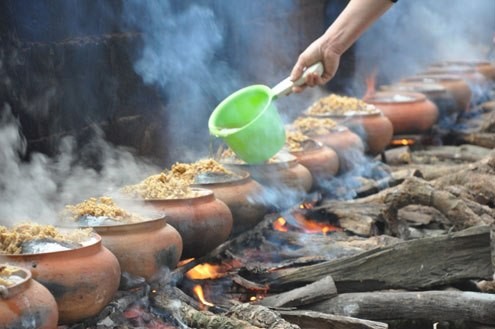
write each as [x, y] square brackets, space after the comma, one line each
[27, 304]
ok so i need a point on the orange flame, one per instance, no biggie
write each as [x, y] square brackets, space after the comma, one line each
[370, 85]
[205, 271]
[280, 225]
[312, 226]
[403, 142]
[198, 291]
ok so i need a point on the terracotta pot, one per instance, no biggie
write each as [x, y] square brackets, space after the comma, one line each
[143, 248]
[27, 302]
[239, 194]
[346, 144]
[321, 161]
[204, 222]
[447, 107]
[483, 67]
[410, 113]
[455, 85]
[374, 128]
[82, 280]
[286, 173]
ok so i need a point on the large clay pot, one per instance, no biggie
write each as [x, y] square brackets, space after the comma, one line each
[83, 280]
[204, 222]
[410, 113]
[321, 161]
[374, 128]
[284, 173]
[447, 107]
[456, 86]
[143, 248]
[239, 194]
[27, 304]
[347, 144]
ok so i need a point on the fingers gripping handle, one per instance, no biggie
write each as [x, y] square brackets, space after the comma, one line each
[285, 86]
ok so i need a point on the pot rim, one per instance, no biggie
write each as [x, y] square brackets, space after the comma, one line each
[160, 217]
[93, 241]
[204, 194]
[423, 87]
[320, 146]
[376, 112]
[243, 177]
[435, 77]
[16, 288]
[387, 97]
[286, 159]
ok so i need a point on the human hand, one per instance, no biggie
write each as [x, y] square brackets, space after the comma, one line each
[319, 50]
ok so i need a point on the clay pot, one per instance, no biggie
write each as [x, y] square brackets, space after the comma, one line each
[456, 87]
[284, 174]
[239, 194]
[27, 302]
[345, 143]
[485, 68]
[410, 113]
[374, 128]
[83, 280]
[447, 107]
[321, 161]
[143, 248]
[204, 222]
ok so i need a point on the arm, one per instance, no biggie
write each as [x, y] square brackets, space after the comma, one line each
[357, 16]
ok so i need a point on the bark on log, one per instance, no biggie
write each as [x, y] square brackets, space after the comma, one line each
[481, 139]
[452, 154]
[415, 264]
[427, 305]
[319, 320]
[430, 172]
[311, 293]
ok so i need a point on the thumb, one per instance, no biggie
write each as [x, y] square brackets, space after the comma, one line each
[298, 69]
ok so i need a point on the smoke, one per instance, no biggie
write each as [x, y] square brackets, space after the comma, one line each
[38, 188]
[413, 34]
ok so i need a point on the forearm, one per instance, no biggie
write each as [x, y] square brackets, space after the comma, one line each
[352, 22]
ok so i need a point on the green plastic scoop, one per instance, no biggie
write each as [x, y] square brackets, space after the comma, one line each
[248, 120]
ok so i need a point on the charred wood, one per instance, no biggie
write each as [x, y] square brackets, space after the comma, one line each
[311, 293]
[415, 264]
[428, 305]
[260, 316]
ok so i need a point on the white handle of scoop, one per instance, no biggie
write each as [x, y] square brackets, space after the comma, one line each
[284, 87]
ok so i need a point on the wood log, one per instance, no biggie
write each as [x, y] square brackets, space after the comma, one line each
[452, 154]
[481, 139]
[431, 171]
[427, 305]
[397, 155]
[319, 320]
[415, 264]
[311, 293]
[260, 316]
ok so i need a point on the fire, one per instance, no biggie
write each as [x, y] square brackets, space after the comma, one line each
[402, 142]
[280, 225]
[205, 271]
[198, 291]
[370, 85]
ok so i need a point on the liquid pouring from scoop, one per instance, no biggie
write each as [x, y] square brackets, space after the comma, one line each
[248, 120]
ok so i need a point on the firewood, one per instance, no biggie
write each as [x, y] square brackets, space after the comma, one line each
[319, 320]
[397, 156]
[431, 171]
[481, 139]
[453, 154]
[427, 305]
[165, 300]
[415, 264]
[260, 316]
[311, 293]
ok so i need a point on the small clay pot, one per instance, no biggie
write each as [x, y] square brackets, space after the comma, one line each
[456, 87]
[285, 173]
[374, 128]
[345, 143]
[239, 194]
[143, 248]
[27, 302]
[447, 107]
[83, 280]
[204, 222]
[321, 161]
[410, 113]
